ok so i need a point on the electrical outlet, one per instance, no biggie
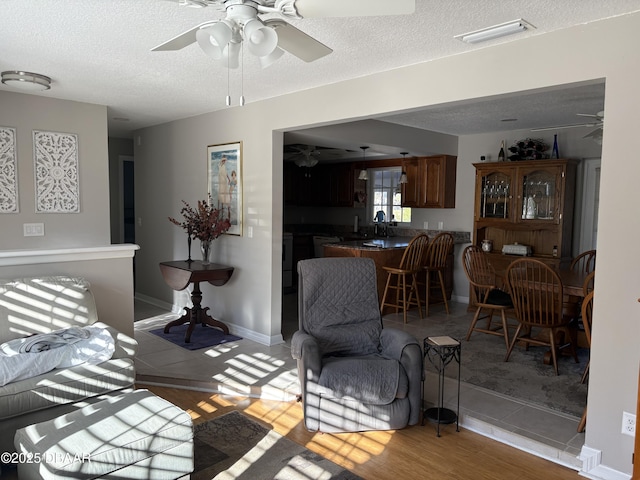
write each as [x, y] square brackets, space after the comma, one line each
[629, 424]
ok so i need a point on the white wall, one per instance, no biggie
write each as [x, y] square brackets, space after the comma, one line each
[90, 226]
[111, 278]
[108, 270]
[170, 166]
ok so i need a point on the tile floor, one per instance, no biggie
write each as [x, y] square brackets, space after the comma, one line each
[248, 368]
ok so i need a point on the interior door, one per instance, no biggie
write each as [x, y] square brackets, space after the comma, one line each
[127, 200]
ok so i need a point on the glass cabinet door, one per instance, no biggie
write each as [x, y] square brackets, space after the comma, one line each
[539, 195]
[495, 195]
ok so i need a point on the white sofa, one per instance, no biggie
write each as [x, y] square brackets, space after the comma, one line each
[41, 305]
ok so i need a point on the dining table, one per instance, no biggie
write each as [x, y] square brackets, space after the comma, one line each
[572, 293]
[572, 282]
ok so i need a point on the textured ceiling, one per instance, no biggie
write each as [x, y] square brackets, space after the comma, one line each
[100, 52]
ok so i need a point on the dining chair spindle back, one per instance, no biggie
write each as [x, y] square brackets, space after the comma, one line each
[536, 292]
[485, 295]
[584, 262]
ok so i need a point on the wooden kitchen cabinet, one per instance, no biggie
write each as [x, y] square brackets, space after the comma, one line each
[527, 202]
[322, 185]
[298, 185]
[431, 182]
[341, 185]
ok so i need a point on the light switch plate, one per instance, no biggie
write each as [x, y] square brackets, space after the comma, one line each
[33, 229]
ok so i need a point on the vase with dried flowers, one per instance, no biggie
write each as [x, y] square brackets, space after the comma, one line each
[205, 223]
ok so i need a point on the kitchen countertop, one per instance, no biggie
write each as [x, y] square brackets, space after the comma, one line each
[375, 243]
[387, 243]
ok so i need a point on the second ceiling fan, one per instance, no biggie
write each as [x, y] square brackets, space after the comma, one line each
[595, 135]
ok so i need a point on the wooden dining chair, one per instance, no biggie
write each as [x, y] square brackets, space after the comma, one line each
[403, 280]
[536, 292]
[589, 282]
[485, 295]
[587, 315]
[585, 262]
[435, 263]
[587, 311]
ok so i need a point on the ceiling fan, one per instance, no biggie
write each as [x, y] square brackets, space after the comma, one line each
[598, 122]
[302, 155]
[269, 38]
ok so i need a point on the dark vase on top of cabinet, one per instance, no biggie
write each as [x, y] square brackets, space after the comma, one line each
[528, 202]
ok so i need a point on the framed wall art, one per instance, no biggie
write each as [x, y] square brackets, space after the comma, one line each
[8, 171]
[55, 156]
[225, 181]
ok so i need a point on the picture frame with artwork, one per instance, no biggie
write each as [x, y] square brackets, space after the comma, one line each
[224, 163]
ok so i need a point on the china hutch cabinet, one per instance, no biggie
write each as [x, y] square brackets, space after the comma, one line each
[529, 203]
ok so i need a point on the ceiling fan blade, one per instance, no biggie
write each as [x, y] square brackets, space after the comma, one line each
[296, 42]
[179, 42]
[353, 8]
[599, 115]
[557, 127]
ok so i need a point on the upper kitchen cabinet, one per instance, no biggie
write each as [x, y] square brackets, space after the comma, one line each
[341, 185]
[431, 182]
[526, 202]
[322, 185]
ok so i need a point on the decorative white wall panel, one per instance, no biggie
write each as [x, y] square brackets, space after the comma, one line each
[8, 171]
[56, 172]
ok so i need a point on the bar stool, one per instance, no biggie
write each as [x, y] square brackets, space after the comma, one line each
[436, 261]
[410, 265]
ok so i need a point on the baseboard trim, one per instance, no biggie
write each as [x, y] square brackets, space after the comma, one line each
[234, 329]
[593, 468]
[158, 303]
[459, 299]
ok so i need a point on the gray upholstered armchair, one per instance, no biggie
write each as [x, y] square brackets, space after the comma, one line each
[354, 375]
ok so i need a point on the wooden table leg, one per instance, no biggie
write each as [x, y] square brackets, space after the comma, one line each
[179, 321]
[196, 315]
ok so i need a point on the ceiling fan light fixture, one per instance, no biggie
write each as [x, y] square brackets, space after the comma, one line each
[26, 80]
[261, 40]
[268, 60]
[306, 162]
[496, 31]
[214, 38]
[231, 55]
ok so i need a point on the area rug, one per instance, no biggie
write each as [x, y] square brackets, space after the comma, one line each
[233, 446]
[201, 337]
[525, 376]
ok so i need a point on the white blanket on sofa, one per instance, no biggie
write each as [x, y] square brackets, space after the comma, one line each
[31, 356]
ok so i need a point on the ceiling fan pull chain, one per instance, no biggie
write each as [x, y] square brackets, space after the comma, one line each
[242, 75]
[228, 75]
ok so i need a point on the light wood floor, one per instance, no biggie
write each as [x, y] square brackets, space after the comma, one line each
[411, 453]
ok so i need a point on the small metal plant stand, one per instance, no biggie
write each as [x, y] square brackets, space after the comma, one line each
[440, 351]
